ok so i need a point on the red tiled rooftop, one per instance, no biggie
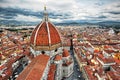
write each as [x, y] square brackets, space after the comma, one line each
[100, 71]
[90, 73]
[82, 59]
[2, 66]
[116, 67]
[113, 75]
[8, 67]
[110, 51]
[106, 60]
[7, 73]
[117, 61]
[35, 69]
[0, 48]
[116, 47]
[107, 46]
[51, 74]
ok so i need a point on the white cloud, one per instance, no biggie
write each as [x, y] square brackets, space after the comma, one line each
[26, 18]
[77, 9]
[56, 20]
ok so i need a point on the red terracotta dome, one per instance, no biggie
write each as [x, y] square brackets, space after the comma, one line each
[45, 36]
[65, 53]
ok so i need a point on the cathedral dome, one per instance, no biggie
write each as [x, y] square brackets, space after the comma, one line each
[45, 36]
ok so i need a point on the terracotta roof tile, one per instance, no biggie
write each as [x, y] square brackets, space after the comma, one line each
[51, 74]
[116, 67]
[2, 66]
[113, 75]
[35, 69]
[90, 73]
[106, 60]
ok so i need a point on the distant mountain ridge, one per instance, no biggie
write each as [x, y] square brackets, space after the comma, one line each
[19, 23]
[110, 23]
[89, 23]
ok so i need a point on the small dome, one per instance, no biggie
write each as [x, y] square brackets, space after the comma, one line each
[58, 57]
[65, 53]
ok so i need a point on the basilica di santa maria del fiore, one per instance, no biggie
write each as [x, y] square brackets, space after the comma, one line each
[51, 61]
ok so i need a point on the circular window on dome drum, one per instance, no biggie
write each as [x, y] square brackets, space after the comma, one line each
[56, 50]
[43, 52]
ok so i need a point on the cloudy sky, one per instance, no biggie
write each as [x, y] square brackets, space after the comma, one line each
[60, 10]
